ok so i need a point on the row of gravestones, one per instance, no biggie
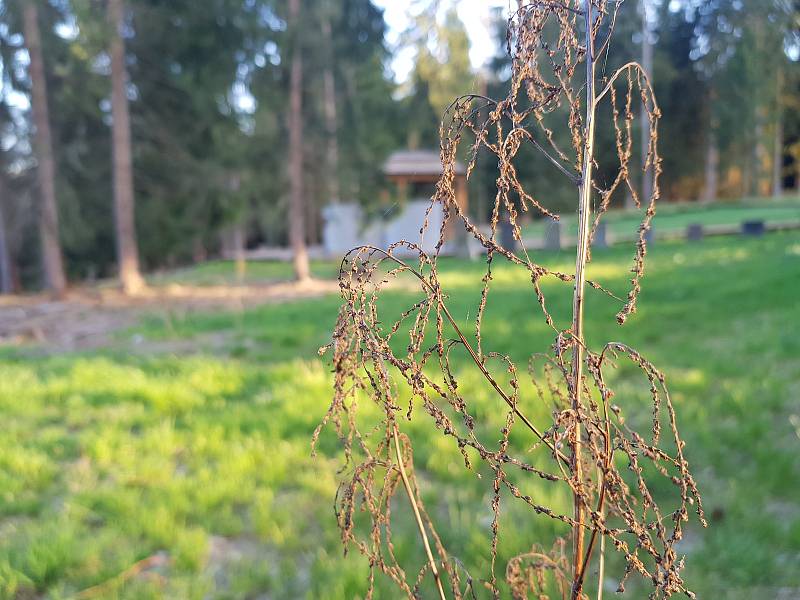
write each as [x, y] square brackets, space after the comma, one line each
[554, 238]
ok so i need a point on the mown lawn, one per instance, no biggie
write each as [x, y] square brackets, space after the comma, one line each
[203, 458]
[674, 218]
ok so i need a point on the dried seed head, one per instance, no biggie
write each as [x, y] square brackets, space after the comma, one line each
[544, 42]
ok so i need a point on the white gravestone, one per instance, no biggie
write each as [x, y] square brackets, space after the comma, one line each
[345, 229]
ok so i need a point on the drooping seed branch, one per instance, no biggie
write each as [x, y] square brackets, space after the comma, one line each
[607, 466]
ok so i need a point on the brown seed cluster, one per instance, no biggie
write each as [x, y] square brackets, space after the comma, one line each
[404, 365]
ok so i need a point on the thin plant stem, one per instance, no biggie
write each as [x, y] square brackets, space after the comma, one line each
[601, 471]
[417, 515]
[601, 567]
[584, 213]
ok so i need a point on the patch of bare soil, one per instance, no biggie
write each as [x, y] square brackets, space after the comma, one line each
[88, 317]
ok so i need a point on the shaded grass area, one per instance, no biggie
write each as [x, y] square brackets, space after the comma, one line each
[673, 218]
[109, 457]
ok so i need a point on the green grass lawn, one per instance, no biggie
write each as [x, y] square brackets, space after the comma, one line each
[113, 456]
[673, 218]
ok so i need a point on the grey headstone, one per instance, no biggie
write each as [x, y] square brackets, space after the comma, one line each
[474, 248]
[694, 232]
[346, 227]
[507, 236]
[552, 234]
[342, 227]
[601, 235]
[753, 228]
[406, 224]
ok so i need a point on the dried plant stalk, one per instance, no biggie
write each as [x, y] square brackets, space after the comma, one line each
[606, 465]
[582, 254]
[417, 515]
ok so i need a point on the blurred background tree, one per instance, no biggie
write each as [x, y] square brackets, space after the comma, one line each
[208, 93]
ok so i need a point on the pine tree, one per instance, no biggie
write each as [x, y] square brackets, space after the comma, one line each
[297, 223]
[127, 248]
[52, 259]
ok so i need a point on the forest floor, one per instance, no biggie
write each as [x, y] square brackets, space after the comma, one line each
[172, 458]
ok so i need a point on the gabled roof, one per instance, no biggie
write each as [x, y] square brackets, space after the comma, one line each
[417, 162]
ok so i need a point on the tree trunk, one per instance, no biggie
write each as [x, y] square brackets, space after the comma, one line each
[711, 183]
[797, 172]
[313, 228]
[238, 251]
[297, 225]
[127, 250]
[481, 209]
[331, 117]
[647, 66]
[760, 159]
[6, 279]
[747, 176]
[52, 260]
[199, 250]
[777, 160]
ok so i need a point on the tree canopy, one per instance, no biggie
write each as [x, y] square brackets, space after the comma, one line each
[208, 91]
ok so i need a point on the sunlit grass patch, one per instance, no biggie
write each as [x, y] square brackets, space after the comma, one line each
[110, 457]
